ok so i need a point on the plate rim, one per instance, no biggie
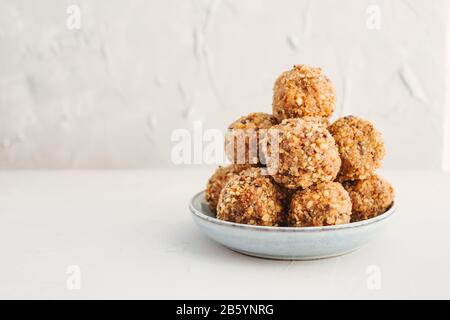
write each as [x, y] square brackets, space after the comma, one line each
[345, 226]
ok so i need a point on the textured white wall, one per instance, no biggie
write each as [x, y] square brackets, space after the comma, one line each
[110, 94]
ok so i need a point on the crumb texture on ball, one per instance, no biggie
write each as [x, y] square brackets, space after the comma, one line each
[218, 181]
[251, 198]
[321, 205]
[303, 91]
[361, 147]
[370, 197]
[303, 154]
[242, 141]
[318, 120]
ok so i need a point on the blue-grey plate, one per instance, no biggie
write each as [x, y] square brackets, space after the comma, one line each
[287, 243]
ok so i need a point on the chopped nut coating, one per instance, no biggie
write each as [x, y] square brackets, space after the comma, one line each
[370, 197]
[361, 147]
[218, 181]
[251, 198]
[305, 154]
[321, 205]
[242, 142]
[303, 91]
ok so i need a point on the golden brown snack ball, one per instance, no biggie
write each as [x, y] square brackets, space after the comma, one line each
[243, 137]
[324, 204]
[251, 198]
[217, 182]
[303, 91]
[370, 197]
[304, 154]
[361, 147]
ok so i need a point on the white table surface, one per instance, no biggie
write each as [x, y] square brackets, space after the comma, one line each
[131, 235]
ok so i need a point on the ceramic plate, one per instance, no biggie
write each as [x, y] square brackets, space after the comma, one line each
[287, 243]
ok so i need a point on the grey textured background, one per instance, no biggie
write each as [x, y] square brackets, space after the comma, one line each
[110, 94]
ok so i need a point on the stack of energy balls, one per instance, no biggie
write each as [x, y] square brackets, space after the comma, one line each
[293, 168]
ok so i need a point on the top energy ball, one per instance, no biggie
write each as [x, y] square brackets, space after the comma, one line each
[303, 91]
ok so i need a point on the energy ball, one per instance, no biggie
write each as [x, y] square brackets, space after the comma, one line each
[303, 91]
[324, 204]
[218, 180]
[242, 142]
[360, 146]
[251, 198]
[370, 197]
[304, 153]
